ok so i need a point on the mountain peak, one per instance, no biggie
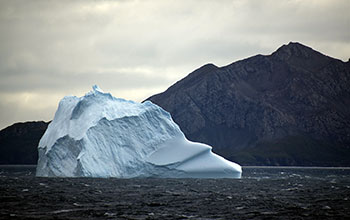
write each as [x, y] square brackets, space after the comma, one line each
[294, 49]
[207, 67]
[297, 54]
[295, 46]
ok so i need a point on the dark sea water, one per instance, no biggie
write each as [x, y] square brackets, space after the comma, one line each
[261, 193]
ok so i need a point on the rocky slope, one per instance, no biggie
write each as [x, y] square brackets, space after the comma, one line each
[19, 142]
[287, 108]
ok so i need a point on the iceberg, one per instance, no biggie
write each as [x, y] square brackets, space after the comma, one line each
[98, 135]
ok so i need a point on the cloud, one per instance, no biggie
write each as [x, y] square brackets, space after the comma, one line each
[138, 48]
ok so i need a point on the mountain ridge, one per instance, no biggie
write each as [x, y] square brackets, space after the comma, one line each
[296, 91]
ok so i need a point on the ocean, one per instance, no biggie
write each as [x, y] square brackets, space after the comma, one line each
[261, 193]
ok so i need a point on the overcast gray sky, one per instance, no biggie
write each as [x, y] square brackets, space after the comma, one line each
[134, 49]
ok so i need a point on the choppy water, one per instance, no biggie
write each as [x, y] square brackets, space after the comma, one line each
[261, 193]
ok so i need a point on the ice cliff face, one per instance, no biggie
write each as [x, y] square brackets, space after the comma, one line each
[98, 135]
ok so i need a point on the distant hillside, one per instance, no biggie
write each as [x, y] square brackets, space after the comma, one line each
[287, 108]
[19, 142]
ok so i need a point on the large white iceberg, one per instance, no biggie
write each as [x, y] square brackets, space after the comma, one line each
[98, 135]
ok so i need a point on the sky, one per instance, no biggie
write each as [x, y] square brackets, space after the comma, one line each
[134, 49]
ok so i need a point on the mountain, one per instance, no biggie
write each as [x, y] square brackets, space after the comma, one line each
[287, 108]
[19, 142]
[98, 135]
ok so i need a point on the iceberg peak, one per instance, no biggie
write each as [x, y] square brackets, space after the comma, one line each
[98, 135]
[96, 88]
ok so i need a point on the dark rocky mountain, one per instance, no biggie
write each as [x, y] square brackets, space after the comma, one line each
[19, 142]
[287, 108]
